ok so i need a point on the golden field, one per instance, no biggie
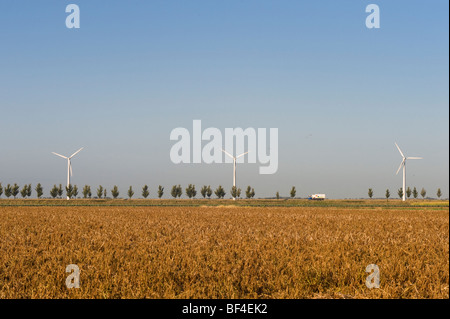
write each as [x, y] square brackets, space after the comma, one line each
[224, 252]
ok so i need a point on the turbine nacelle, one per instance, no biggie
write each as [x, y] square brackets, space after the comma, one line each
[403, 163]
[234, 157]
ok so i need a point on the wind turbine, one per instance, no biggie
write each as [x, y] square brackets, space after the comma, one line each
[403, 164]
[234, 166]
[69, 165]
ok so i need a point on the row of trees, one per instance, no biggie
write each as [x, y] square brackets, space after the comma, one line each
[13, 190]
[409, 192]
[72, 191]
[176, 191]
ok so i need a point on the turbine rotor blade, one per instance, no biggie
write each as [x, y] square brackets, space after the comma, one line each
[228, 154]
[70, 168]
[75, 152]
[399, 150]
[59, 155]
[401, 164]
[414, 158]
[242, 155]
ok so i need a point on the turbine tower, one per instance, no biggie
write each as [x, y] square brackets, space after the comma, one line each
[69, 165]
[234, 166]
[403, 164]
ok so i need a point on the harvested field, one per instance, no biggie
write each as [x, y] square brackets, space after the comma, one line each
[223, 252]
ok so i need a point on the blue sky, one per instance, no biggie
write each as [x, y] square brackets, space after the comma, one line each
[339, 93]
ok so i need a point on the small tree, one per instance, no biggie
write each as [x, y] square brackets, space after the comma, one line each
[104, 192]
[8, 191]
[1, 189]
[400, 192]
[87, 191]
[29, 190]
[54, 191]
[293, 192]
[234, 192]
[69, 191]
[60, 191]
[115, 192]
[248, 192]
[423, 192]
[100, 191]
[220, 192]
[209, 192]
[190, 191]
[145, 191]
[15, 190]
[203, 191]
[39, 190]
[408, 192]
[130, 192]
[388, 194]
[160, 191]
[75, 191]
[277, 195]
[253, 192]
[238, 192]
[370, 193]
[179, 191]
[415, 193]
[439, 193]
[24, 191]
[174, 191]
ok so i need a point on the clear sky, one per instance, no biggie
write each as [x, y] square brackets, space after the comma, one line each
[339, 93]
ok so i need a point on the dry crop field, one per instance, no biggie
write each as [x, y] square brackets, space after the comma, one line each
[224, 252]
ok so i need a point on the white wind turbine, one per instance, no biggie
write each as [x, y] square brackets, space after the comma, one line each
[234, 166]
[69, 165]
[403, 164]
